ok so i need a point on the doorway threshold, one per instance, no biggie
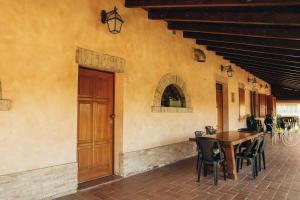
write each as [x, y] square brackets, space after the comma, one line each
[98, 182]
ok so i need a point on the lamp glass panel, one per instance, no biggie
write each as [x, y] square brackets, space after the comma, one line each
[111, 24]
[118, 25]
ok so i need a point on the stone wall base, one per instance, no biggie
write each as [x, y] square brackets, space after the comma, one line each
[144, 160]
[44, 183]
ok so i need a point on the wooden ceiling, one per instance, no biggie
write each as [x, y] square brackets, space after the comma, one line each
[260, 36]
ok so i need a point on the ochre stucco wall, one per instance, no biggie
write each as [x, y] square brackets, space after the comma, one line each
[38, 40]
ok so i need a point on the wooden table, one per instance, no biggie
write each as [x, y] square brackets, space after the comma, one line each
[228, 141]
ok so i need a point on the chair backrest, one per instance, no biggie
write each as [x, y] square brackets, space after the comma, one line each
[254, 146]
[210, 130]
[207, 147]
[199, 133]
[262, 144]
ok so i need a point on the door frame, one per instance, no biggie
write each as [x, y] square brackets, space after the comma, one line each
[222, 94]
[113, 128]
[224, 82]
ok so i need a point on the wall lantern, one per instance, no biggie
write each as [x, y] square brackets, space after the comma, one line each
[113, 20]
[228, 69]
[266, 86]
[199, 55]
[253, 81]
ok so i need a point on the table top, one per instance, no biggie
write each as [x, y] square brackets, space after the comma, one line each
[232, 137]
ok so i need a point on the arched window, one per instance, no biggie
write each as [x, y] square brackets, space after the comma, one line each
[173, 97]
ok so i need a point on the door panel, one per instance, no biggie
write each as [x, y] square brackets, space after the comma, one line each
[101, 129]
[95, 125]
[102, 87]
[85, 155]
[85, 126]
[85, 86]
[101, 159]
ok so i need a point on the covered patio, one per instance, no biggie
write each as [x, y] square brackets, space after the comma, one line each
[125, 99]
[280, 180]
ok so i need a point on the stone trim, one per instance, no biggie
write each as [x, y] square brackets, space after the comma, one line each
[147, 159]
[95, 60]
[171, 109]
[44, 183]
[165, 81]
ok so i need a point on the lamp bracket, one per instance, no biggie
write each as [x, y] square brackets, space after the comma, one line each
[103, 16]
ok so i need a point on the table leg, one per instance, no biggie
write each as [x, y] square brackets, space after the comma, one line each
[231, 165]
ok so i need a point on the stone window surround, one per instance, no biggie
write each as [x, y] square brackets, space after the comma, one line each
[165, 81]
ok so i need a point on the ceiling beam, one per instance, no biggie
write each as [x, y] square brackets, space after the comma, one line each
[266, 61]
[270, 72]
[266, 15]
[267, 67]
[279, 43]
[268, 77]
[283, 82]
[205, 3]
[261, 64]
[252, 48]
[280, 72]
[255, 54]
[283, 32]
[284, 94]
[275, 87]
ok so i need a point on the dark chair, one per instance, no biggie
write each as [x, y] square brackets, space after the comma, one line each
[251, 155]
[198, 134]
[210, 130]
[268, 122]
[254, 124]
[261, 153]
[244, 146]
[212, 155]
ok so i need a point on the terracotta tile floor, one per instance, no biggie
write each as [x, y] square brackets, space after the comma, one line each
[281, 180]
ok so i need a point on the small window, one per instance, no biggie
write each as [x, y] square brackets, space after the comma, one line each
[173, 97]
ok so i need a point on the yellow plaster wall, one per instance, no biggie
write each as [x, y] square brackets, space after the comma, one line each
[38, 40]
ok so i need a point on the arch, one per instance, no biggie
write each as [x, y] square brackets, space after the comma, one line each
[165, 81]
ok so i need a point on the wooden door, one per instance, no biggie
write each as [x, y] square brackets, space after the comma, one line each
[271, 105]
[219, 100]
[262, 105]
[95, 124]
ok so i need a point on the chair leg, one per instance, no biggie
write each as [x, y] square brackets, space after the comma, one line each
[248, 162]
[199, 170]
[197, 164]
[237, 165]
[215, 173]
[204, 169]
[257, 165]
[242, 161]
[259, 161]
[253, 168]
[224, 170]
[264, 159]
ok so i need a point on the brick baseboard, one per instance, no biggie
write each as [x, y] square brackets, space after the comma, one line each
[144, 160]
[44, 183]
